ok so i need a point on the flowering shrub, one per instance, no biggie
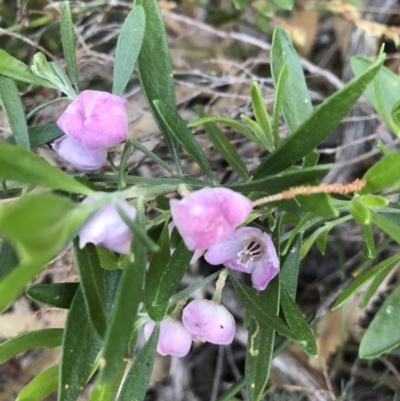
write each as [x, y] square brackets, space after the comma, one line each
[263, 224]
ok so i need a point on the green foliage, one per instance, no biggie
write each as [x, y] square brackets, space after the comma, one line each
[59, 295]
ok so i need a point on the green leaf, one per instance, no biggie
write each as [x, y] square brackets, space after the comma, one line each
[40, 225]
[178, 127]
[396, 113]
[157, 82]
[374, 285]
[260, 345]
[240, 4]
[258, 133]
[374, 201]
[80, 347]
[382, 174]
[260, 112]
[369, 242]
[250, 298]
[40, 135]
[128, 47]
[382, 334]
[360, 212]
[15, 69]
[108, 259]
[46, 338]
[163, 278]
[296, 102]
[230, 123]
[138, 378]
[285, 180]
[108, 392]
[298, 323]
[91, 282]
[14, 111]
[68, 43]
[290, 267]
[8, 258]
[387, 226]
[361, 280]
[279, 96]
[59, 295]
[388, 84]
[319, 204]
[41, 386]
[121, 325]
[311, 159]
[285, 4]
[21, 165]
[318, 125]
[224, 147]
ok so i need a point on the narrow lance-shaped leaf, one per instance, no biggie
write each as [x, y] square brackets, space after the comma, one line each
[68, 43]
[58, 295]
[224, 147]
[46, 338]
[296, 101]
[186, 138]
[138, 378]
[318, 125]
[128, 46]
[21, 165]
[121, 325]
[14, 111]
[8, 258]
[260, 345]
[157, 82]
[41, 386]
[290, 267]
[90, 274]
[40, 135]
[80, 347]
[15, 69]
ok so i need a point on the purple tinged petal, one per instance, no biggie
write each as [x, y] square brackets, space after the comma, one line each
[108, 229]
[174, 339]
[249, 250]
[208, 321]
[80, 157]
[209, 215]
[96, 119]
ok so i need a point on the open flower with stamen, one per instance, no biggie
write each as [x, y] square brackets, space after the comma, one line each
[209, 215]
[248, 250]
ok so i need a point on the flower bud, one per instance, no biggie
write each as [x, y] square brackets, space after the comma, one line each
[108, 229]
[174, 339]
[96, 119]
[209, 321]
[205, 217]
[78, 155]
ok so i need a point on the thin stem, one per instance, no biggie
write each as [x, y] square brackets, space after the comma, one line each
[122, 168]
[137, 145]
[44, 105]
[233, 390]
[219, 286]
[111, 161]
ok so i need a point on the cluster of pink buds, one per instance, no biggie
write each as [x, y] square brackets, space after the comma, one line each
[202, 320]
[209, 218]
[92, 123]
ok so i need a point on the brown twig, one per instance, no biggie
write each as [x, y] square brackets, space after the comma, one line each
[310, 190]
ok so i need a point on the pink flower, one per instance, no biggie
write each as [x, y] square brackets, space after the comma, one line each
[209, 215]
[108, 229]
[249, 250]
[209, 321]
[78, 155]
[174, 339]
[96, 119]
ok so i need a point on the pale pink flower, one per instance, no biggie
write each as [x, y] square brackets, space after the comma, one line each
[108, 229]
[209, 215]
[174, 339]
[248, 250]
[96, 119]
[209, 321]
[80, 157]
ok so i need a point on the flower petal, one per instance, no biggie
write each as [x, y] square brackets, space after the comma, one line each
[82, 158]
[96, 119]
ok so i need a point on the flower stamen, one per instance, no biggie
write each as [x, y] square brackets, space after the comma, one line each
[251, 252]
